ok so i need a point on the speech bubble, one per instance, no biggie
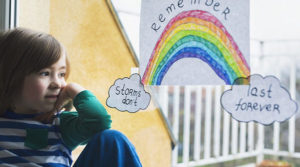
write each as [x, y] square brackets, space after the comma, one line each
[263, 100]
[128, 94]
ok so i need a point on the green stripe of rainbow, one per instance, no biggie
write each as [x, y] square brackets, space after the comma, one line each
[201, 27]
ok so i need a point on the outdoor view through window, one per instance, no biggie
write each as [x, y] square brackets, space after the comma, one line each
[221, 140]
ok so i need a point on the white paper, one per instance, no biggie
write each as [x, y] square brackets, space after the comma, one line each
[264, 100]
[128, 94]
[194, 42]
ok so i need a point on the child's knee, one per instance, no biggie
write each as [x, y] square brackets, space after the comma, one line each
[111, 135]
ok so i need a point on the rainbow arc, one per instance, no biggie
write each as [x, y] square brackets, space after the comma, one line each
[196, 34]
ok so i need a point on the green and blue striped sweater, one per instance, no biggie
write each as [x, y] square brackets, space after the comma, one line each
[26, 142]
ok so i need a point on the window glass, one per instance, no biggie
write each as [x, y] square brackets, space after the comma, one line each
[8, 14]
[127, 14]
[4, 15]
[274, 51]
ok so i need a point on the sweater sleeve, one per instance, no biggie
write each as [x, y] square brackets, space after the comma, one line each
[91, 117]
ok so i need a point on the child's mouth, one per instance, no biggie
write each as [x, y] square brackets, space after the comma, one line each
[52, 96]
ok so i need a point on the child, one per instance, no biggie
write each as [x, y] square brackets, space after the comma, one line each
[33, 69]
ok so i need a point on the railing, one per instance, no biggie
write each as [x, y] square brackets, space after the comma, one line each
[206, 134]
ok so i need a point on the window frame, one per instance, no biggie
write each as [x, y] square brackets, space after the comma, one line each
[8, 14]
[122, 29]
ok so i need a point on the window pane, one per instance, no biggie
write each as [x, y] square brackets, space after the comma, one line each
[128, 14]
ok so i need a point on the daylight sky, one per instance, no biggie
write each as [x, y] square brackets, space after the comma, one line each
[275, 19]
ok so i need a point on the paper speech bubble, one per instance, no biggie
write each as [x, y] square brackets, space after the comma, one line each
[264, 100]
[128, 94]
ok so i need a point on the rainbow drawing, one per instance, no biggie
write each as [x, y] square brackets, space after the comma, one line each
[196, 34]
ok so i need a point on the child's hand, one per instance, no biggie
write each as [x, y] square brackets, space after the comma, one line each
[68, 93]
[45, 118]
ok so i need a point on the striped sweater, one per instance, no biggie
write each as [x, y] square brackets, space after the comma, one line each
[25, 142]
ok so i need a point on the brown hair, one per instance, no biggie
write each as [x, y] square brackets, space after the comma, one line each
[22, 52]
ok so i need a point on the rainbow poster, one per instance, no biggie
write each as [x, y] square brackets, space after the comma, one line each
[194, 42]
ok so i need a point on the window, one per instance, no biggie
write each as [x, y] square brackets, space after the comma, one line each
[274, 51]
[8, 14]
[127, 15]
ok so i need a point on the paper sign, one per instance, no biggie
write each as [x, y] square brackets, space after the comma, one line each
[128, 94]
[264, 100]
[192, 42]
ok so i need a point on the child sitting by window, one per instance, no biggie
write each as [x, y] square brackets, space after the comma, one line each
[33, 129]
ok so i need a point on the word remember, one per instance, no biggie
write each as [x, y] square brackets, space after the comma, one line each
[215, 5]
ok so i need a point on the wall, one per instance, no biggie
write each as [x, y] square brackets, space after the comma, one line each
[35, 14]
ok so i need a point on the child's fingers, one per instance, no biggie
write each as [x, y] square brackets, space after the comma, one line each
[65, 96]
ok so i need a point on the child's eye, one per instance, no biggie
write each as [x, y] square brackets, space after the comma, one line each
[62, 74]
[44, 73]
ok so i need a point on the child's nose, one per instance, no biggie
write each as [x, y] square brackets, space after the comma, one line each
[56, 82]
[54, 85]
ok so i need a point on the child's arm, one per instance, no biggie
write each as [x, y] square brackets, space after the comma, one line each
[90, 118]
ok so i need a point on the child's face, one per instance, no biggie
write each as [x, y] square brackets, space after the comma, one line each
[41, 89]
